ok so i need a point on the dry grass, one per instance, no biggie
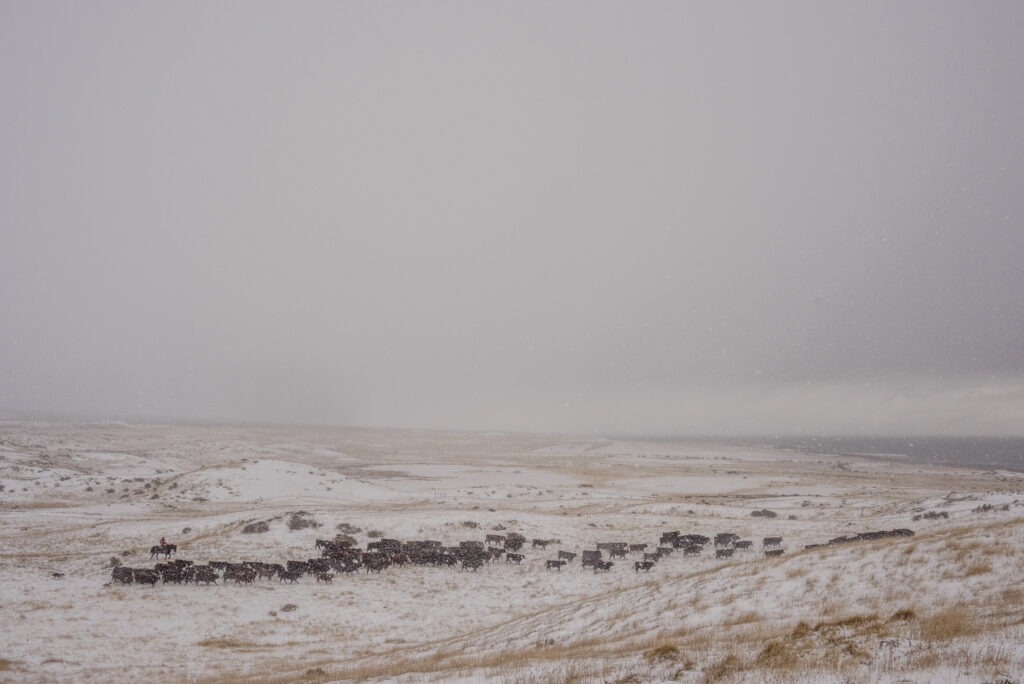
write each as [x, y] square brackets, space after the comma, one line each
[903, 614]
[222, 643]
[728, 665]
[977, 569]
[948, 624]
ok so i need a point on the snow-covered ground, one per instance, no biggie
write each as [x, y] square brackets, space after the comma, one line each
[944, 605]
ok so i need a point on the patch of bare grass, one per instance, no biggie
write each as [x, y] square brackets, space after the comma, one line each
[948, 624]
[666, 653]
[903, 614]
[977, 569]
[728, 665]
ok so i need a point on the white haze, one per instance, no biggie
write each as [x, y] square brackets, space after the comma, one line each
[580, 216]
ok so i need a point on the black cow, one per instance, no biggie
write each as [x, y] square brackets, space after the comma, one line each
[554, 564]
[145, 576]
[772, 541]
[724, 553]
[772, 552]
[643, 565]
[516, 558]
[121, 574]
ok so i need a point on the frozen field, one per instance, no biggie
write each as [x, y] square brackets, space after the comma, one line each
[946, 605]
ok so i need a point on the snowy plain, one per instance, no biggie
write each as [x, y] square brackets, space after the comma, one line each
[945, 605]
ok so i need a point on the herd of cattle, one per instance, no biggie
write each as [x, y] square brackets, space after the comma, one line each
[341, 555]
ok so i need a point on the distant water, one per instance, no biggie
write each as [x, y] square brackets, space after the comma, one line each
[989, 453]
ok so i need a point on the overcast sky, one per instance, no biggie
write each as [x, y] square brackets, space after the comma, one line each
[570, 216]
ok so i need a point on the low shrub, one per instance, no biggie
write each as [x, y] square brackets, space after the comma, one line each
[666, 653]
[300, 521]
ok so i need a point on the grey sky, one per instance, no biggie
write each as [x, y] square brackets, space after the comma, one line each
[611, 217]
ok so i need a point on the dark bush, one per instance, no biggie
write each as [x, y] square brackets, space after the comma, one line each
[300, 520]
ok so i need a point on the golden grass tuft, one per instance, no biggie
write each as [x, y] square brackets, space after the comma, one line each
[728, 665]
[977, 569]
[777, 655]
[801, 630]
[221, 643]
[903, 614]
[666, 653]
[948, 624]
[852, 622]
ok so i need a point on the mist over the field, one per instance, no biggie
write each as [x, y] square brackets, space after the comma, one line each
[581, 216]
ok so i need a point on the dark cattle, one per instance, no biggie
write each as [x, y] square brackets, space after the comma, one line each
[121, 574]
[145, 576]
[300, 567]
[691, 540]
[205, 574]
[746, 544]
[315, 565]
[692, 550]
[495, 539]
[542, 543]
[603, 566]
[652, 557]
[471, 564]
[665, 551]
[772, 552]
[613, 546]
[516, 558]
[513, 543]
[287, 576]
[245, 576]
[566, 556]
[668, 537]
[645, 566]
[375, 562]
[173, 574]
[725, 539]
[496, 553]
[324, 577]
[590, 558]
[771, 541]
[724, 553]
[637, 548]
[554, 564]
[617, 552]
